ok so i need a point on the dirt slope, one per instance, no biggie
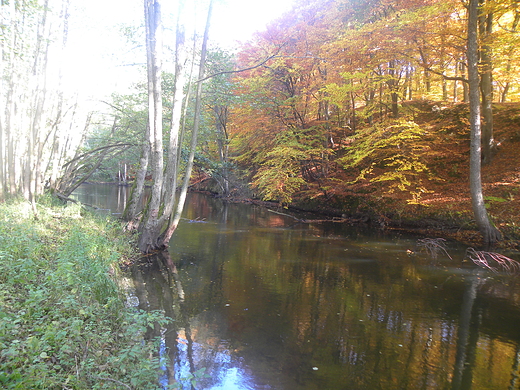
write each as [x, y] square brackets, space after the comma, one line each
[449, 199]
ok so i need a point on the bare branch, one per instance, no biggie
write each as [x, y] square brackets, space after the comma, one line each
[101, 148]
[433, 246]
[494, 262]
[243, 69]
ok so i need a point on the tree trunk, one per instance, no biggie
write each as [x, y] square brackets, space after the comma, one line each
[485, 23]
[132, 208]
[150, 231]
[174, 221]
[221, 119]
[393, 85]
[488, 230]
[455, 83]
[465, 87]
[175, 143]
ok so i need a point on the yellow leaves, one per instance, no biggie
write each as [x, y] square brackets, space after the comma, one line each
[390, 154]
[280, 175]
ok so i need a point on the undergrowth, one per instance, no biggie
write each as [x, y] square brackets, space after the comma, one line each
[63, 320]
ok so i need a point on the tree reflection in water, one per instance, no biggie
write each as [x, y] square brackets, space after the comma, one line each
[158, 287]
[265, 303]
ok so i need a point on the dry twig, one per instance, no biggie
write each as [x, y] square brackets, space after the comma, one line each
[433, 246]
[494, 262]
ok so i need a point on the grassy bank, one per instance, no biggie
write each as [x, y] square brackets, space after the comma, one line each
[63, 319]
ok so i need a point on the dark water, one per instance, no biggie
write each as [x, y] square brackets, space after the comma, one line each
[263, 302]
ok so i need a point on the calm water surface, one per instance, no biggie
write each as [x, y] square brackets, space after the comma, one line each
[262, 302]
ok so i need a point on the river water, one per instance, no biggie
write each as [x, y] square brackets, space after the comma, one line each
[263, 302]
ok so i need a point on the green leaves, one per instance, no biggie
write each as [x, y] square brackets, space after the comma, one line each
[63, 322]
[280, 174]
[390, 153]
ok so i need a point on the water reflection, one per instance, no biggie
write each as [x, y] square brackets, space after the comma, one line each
[103, 197]
[262, 302]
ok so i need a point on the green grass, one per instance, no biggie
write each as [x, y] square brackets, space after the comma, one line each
[63, 320]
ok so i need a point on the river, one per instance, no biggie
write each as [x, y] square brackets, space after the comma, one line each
[261, 301]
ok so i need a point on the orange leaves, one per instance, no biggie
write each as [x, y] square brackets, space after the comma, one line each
[348, 65]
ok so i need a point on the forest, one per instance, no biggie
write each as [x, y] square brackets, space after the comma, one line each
[392, 126]
[400, 114]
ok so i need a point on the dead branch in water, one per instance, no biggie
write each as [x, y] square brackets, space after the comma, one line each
[494, 262]
[309, 220]
[433, 246]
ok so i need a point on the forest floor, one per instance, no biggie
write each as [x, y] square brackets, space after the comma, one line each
[445, 207]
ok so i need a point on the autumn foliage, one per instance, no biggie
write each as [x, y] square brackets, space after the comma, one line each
[350, 99]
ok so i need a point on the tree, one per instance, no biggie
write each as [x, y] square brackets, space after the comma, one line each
[175, 216]
[162, 214]
[489, 232]
[485, 29]
[41, 126]
[150, 228]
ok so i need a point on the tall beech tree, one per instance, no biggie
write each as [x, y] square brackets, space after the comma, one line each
[489, 232]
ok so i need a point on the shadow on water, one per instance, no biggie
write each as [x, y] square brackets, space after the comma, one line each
[263, 303]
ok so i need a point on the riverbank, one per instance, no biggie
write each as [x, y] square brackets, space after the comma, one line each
[418, 183]
[64, 322]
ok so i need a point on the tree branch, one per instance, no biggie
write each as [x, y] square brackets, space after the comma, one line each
[243, 69]
[423, 65]
[91, 152]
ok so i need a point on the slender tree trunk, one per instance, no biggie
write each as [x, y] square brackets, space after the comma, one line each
[455, 84]
[132, 209]
[149, 233]
[443, 62]
[485, 22]
[427, 81]
[465, 86]
[488, 230]
[393, 84]
[174, 147]
[221, 118]
[10, 136]
[409, 84]
[174, 222]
